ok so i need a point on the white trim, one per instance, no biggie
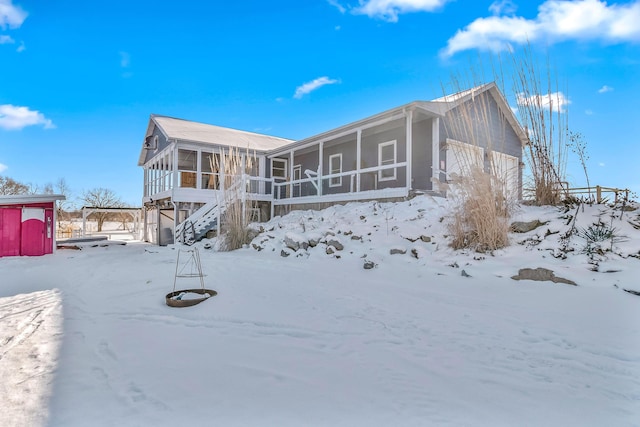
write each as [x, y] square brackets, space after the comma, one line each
[343, 197]
[381, 145]
[338, 183]
[297, 185]
[435, 151]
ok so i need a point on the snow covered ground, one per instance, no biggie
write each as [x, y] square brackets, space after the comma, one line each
[313, 338]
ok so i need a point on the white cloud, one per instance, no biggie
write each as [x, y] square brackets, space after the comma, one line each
[502, 7]
[3, 167]
[605, 89]
[555, 101]
[601, 165]
[589, 112]
[6, 40]
[313, 85]
[337, 5]
[389, 10]
[125, 59]
[557, 20]
[11, 16]
[15, 118]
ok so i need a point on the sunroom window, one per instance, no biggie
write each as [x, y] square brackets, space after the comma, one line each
[187, 166]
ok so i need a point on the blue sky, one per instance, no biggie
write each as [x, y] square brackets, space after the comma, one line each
[79, 79]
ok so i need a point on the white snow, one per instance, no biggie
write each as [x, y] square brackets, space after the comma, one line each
[314, 339]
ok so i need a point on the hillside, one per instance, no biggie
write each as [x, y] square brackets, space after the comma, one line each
[426, 336]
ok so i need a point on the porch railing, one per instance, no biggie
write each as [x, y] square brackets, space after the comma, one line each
[291, 189]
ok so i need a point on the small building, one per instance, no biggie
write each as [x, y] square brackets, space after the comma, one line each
[28, 224]
[391, 155]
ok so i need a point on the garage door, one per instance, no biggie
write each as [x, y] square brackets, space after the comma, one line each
[506, 168]
[462, 158]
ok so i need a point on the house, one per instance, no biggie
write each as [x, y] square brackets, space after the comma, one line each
[390, 155]
[28, 224]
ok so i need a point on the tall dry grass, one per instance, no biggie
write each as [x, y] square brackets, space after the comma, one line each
[482, 206]
[541, 110]
[237, 166]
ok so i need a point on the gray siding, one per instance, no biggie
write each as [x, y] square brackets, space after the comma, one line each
[346, 146]
[162, 144]
[371, 138]
[480, 122]
[422, 156]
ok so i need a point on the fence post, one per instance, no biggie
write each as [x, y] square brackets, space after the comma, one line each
[598, 193]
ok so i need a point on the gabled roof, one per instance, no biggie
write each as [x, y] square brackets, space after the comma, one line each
[438, 107]
[184, 130]
[455, 99]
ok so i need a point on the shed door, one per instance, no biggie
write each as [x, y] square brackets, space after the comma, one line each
[10, 231]
[33, 231]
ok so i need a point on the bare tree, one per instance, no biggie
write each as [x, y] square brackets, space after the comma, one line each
[101, 198]
[9, 186]
[62, 206]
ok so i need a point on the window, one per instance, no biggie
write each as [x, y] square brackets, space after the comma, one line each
[335, 166]
[210, 164]
[387, 155]
[279, 168]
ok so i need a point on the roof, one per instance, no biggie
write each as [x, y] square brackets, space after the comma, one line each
[434, 108]
[186, 130]
[15, 199]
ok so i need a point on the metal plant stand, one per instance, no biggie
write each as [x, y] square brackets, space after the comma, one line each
[189, 268]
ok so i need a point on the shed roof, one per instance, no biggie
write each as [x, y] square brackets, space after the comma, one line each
[15, 199]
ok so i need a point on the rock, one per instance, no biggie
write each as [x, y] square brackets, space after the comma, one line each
[284, 253]
[368, 265]
[415, 254]
[524, 227]
[397, 251]
[541, 275]
[464, 274]
[330, 250]
[294, 241]
[354, 237]
[425, 239]
[252, 234]
[335, 243]
[257, 247]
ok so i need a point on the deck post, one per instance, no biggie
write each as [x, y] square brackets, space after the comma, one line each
[409, 143]
[358, 158]
[320, 167]
[435, 151]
